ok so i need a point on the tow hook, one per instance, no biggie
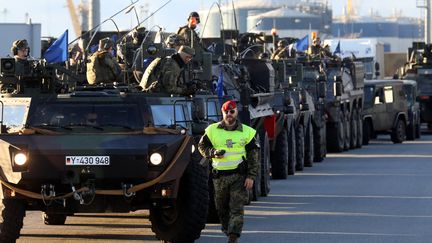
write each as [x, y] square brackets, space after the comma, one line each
[76, 195]
[126, 187]
[47, 190]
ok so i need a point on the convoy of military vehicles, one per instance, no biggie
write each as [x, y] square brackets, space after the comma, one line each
[68, 147]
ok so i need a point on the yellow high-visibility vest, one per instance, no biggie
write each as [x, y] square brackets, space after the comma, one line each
[233, 142]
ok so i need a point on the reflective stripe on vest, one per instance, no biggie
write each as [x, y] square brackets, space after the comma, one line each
[233, 142]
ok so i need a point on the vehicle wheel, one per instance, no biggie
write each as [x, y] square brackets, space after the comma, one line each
[336, 135]
[359, 129]
[319, 142]
[292, 150]
[347, 127]
[367, 129]
[417, 130]
[398, 134]
[265, 166]
[411, 131]
[279, 157]
[300, 141]
[309, 145]
[354, 124]
[183, 219]
[13, 216]
[54, 218]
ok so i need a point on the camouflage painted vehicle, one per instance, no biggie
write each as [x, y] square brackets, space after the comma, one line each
[99, 149]
[385, 110]
[411, 91]
[419, 68]
[290, 75]
[344, 103]
[314, 83]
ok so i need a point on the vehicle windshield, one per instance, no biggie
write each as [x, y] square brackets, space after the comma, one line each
[369, 96]
[409, 91]
[91, 115]
[163, 115]
[14, 114]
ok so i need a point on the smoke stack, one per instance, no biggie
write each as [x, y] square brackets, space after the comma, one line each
[94, 13]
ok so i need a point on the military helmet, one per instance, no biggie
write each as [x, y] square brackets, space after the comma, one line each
[174, 40]
[196, 15]
[18, 44]
[105, 44]
[283, 42]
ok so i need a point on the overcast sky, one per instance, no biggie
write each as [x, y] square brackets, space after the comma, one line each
[55, 19]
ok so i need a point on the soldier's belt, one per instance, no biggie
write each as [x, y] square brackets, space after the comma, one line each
[217, 173]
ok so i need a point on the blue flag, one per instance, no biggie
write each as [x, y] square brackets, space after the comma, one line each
[337, 50]
[58, 51]
[303, 44]
[220, 86]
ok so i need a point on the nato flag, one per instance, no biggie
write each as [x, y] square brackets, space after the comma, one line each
[58, 51]
[337, 50]
[303, 44]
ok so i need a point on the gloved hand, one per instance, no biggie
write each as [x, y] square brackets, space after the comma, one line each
[192, 88]
[218, 153]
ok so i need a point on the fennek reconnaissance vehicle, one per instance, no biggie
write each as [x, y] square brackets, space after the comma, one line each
[67, 149]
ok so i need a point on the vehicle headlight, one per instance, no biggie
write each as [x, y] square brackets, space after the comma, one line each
[20, 159]
[155, 158]
[193, 148]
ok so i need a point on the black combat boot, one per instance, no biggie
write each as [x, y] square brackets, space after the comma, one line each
[232, 238]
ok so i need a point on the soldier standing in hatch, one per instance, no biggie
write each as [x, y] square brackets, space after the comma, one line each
[188, 32]
[234, 152]
[20, 50]
[103, 67]
[165, 74]
[316, 50]
[283, 51]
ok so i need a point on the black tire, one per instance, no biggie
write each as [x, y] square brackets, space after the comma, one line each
[347, 127]
[398, 134]
[54, 219]
[417, 132]
[265, 166]
[183, 219]
[359, 129]
[336, 135]
[292, 150]
[411, 131]
[13, 217]
[279, 157]
[320, 141]
[367, 130]
[300, 145]
[354, 130]
[309, 145]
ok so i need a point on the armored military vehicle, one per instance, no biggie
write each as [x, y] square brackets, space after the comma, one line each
[411, 92]
[419, 68]
[344, 103]
[385, 110]
[98, 149]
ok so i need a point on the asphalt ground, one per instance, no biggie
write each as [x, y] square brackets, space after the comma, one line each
[380, 193]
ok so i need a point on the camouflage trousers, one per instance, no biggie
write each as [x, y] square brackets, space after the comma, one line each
[230, 197]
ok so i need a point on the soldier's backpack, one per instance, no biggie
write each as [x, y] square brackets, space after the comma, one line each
[148, 81]
[97, 70]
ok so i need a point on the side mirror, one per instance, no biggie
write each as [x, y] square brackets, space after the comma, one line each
[377, 67]
[322, 86]
[337, 89]
[198, 109]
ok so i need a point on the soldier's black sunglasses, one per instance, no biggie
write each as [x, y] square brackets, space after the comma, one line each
[230, 111]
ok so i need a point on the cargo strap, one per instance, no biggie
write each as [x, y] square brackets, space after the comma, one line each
[113, 192]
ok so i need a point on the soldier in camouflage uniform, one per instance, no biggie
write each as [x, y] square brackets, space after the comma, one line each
[188, 33]
[166, 74]
[283, 51]
[234, 151]
[20, 50]
[103, 67]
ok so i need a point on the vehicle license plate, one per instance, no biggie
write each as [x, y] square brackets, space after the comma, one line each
[87, 160]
